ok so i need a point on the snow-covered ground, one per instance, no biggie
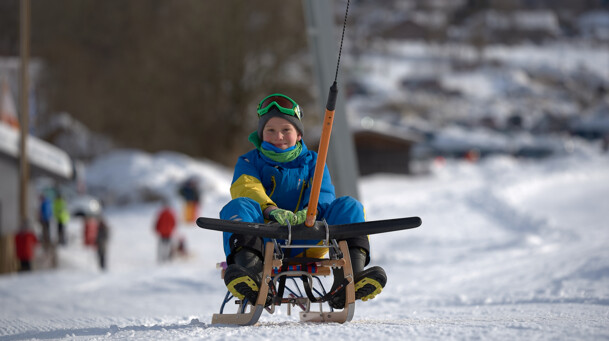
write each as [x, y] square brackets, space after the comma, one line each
[508, 250]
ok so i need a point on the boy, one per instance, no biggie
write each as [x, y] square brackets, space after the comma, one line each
[272, 183]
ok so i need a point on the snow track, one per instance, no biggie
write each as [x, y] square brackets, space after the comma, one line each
[507, 250]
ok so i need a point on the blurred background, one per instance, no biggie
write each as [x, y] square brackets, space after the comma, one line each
[159, 75]
[423, 81]
[186, 76]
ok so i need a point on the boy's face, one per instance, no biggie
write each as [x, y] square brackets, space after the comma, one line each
[280, 133]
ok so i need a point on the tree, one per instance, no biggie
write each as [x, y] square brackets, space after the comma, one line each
[168, 75]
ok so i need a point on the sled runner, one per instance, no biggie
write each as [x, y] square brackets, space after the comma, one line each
[278, 269]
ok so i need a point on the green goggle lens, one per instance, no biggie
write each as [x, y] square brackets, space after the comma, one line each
[283, 103]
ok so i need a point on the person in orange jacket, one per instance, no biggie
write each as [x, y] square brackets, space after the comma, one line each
[191, 194]
[164, 227]
[25, 243]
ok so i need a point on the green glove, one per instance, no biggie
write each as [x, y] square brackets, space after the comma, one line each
[301, 216]
[283, 216]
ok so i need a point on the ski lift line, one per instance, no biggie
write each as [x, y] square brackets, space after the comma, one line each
[324, 141]
[342, 38]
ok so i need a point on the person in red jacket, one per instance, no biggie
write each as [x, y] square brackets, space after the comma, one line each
[165, 225]
[25, 243]
[91, 226]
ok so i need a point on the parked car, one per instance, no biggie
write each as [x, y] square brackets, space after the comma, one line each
[81, 205]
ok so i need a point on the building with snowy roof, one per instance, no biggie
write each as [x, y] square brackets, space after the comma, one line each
[44, 160]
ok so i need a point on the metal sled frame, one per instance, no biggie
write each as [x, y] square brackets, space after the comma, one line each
[273, 259]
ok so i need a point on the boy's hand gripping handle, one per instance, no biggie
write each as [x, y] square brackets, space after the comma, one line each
[322, 153]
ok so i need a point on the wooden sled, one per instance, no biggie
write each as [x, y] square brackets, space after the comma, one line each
[273, 271]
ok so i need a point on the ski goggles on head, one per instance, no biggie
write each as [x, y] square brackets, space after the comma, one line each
[282, 102]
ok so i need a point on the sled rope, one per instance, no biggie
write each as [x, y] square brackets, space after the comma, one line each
[324, 141]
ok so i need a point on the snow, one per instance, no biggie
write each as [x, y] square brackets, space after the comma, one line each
[509, 249]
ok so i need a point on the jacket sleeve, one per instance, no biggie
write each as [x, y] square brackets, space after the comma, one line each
[246, 183]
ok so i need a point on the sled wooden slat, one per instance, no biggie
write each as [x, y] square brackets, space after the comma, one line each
[346, 314]
[241, 319]
[250, 318]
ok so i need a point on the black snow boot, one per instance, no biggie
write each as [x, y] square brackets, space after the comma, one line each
[243, 277]
[368, 283]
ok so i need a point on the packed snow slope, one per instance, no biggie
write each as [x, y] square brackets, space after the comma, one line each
[509, 250]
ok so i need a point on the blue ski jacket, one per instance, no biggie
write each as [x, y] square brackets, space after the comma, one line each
[258, 180]
[286, 185]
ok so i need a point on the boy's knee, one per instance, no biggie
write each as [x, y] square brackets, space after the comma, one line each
[241, 202]
[349, 203]
[345, 210]
[240, 208]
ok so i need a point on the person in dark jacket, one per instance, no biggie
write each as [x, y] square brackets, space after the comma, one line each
[272, 183]
[101, 241]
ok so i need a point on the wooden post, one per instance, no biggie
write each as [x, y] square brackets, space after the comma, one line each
[24, 110]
